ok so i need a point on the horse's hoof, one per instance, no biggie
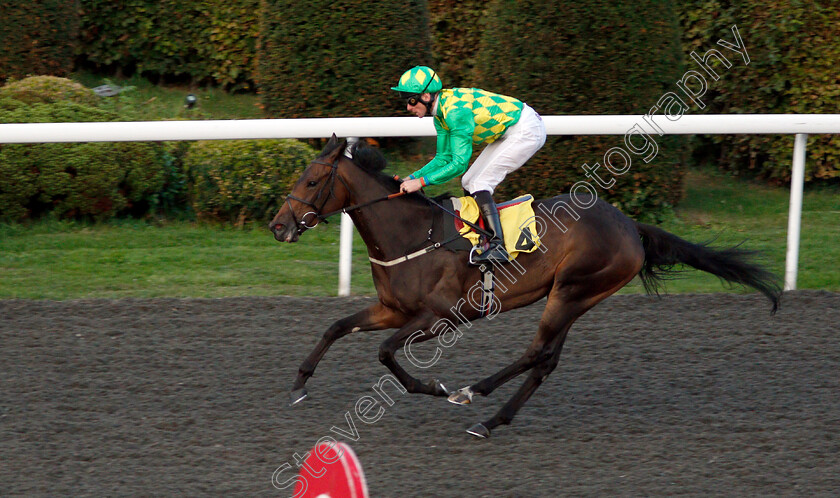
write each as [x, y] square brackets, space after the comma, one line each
[297, 396]
[462, 396]
[439, 388]
[478, 430]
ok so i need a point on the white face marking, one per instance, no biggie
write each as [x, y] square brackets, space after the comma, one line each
[356, 329]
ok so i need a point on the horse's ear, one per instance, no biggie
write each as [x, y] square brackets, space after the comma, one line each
[339, 144]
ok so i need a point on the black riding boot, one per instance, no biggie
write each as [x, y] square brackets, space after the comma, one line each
[496, 252]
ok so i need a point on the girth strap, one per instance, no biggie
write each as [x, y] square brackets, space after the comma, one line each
[415, 254]
[402, 259]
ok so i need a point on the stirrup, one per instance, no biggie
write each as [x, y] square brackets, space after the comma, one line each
[496, 253]
[474, 253]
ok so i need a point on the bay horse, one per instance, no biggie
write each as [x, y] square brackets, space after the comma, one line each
[587, 255]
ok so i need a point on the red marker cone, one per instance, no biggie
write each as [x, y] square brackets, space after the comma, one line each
[331, 470]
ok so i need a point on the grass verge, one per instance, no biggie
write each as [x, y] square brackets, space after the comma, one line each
[145, 101]
[63, 260]
[53, 260]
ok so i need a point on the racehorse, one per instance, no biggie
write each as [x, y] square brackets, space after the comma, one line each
[589, 250]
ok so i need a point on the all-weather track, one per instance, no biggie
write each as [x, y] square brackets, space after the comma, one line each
[687, 394]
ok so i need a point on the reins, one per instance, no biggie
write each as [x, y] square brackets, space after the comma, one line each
[323, 217]
[394, 196]
[302, 225]
[465, 222]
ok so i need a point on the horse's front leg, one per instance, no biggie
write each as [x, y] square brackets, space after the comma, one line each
[417, 330]
[375, 317]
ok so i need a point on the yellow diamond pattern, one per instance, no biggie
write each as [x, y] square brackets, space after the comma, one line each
[508, 107]
[493, 113]
[498, 129]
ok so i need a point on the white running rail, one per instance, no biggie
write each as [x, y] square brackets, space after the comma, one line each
[800, 125]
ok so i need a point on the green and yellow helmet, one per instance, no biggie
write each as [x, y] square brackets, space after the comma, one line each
[418, 80]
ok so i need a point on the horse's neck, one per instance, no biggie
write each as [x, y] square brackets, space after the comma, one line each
[389, 228]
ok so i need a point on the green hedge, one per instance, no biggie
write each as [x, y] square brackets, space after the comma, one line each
[204, 41]
[793, 52]
[328, 58]
[48, 90]
[37, 37]
[456, 29]
[243, 180]
[72, 180]
[589, 57]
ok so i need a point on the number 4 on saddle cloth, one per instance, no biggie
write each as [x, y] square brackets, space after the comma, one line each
[517, 217]
[518, 224]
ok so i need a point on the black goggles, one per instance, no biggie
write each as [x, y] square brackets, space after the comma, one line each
[412, 99]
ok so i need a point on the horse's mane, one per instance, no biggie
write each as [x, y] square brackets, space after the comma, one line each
[371, 160]
[368, 158]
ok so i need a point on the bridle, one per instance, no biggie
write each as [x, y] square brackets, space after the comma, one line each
[301, 225]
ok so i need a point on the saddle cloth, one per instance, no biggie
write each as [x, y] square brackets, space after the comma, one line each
[517, 217]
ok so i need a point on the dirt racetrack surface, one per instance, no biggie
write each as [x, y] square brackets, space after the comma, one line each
[688, 394]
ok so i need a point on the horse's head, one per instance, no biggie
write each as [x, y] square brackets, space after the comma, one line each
[319, 190]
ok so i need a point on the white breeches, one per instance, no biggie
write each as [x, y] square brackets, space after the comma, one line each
[507, 154]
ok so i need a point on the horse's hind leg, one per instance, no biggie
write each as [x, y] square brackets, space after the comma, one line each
[565, 305]
[375, 317]
[554, 325]
[418, 330]
[536, 377]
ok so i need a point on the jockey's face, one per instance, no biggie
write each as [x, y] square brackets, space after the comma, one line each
[419, 109]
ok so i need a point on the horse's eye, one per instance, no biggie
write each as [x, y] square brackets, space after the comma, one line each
[312, 183]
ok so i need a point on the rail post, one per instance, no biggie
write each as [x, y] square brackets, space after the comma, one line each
[797, 180]
[345, 256]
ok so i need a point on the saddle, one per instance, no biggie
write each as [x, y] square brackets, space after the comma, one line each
[517, 217]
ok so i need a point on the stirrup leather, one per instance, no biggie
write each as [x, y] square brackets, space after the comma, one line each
[495, 251]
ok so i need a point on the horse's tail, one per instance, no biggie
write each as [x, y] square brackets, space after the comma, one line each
[664, 250]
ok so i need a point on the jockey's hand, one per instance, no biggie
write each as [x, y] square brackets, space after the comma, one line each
[409, 186]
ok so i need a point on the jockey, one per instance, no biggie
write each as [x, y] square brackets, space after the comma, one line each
[467, 116]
